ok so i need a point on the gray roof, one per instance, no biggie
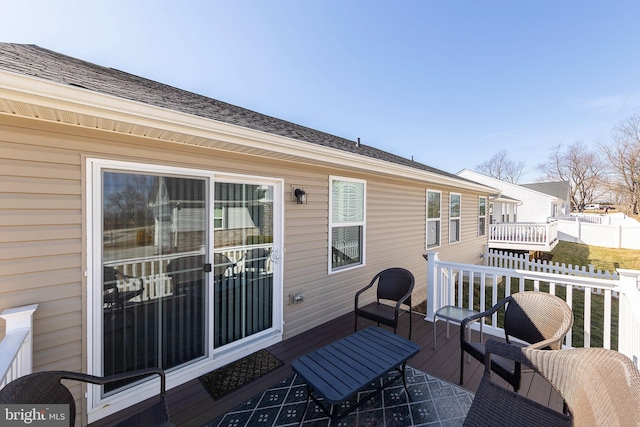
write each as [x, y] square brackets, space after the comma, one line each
[32, 60]
[559, 189]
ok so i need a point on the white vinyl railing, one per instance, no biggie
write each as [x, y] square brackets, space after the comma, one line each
[151, 271]
[523, 234]
[16, 348]
[606, 326]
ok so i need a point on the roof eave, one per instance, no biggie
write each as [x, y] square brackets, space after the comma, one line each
[40, 99]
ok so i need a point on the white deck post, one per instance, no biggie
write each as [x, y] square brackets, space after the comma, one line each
[17, 359]
[629, 320]
[433, 285]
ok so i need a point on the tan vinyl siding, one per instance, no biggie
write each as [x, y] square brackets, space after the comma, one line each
[43, 229]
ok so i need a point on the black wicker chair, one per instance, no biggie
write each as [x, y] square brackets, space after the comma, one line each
[540, 319]
[394, 284]
[46, 388]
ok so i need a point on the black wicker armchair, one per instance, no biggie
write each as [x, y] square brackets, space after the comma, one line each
[46, 388]
[540, 319]
[394, 284]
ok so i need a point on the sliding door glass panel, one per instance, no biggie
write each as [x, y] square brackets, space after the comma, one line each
[243, 267]
[153, 254]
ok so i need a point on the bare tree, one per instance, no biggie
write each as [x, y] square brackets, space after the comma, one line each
[501, 167]
[623, 153]
[579, 165]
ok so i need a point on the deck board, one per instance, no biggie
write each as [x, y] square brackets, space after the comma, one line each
[191, 405]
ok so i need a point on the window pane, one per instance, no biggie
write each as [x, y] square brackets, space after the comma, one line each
[433, 234]
[345, 246]
[454, 208]
[454, 230]
[347, 199]
[481, 226]
[433, 205]
[482, 207]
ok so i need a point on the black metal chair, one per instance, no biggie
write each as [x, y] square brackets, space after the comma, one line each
[45, 388]
[394, 284]
[539, 319]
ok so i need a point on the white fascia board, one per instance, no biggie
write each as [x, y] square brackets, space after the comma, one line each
[59, 97]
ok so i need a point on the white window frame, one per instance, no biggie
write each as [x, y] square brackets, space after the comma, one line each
[455, 218]
[362, 224]
[437, 220]
[481, 216]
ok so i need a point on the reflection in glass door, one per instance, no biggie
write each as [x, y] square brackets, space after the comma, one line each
[153, 254]
[243, 260]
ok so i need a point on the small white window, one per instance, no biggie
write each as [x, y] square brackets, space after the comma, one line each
[434, 207]
[454, 217]
[491, 213]
[346, 223]
[482, 216]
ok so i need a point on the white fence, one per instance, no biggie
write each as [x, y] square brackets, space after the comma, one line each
[16, 348]
[610, 231]
[480, 287]
[502, 259]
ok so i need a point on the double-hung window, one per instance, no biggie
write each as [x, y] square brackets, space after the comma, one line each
[433, 218]
[454, 217]
[346, 223]
[482, 216]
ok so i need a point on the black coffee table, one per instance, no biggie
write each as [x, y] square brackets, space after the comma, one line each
[338, 371]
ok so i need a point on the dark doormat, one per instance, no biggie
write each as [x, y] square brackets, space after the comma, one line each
[231, 377]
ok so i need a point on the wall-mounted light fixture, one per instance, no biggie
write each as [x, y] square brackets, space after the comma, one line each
[301, 196]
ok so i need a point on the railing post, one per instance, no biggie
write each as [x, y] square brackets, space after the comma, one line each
[433, 284]
[20, 319]
[628, 320]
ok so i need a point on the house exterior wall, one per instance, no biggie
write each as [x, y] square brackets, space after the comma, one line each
[43, 240]
[43, 246]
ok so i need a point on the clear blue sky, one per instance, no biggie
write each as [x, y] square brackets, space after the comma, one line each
[448, 82]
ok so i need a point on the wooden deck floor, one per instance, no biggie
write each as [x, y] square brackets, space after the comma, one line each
[191, 405]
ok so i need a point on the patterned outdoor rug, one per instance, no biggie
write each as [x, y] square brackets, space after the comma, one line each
[239, 373]
[433, 402]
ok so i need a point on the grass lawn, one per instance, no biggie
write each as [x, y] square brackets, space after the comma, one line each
[602, 258]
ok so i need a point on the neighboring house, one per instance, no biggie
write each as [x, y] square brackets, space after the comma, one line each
[538, 202]
[157, 227]
[561, 190]
[520, 213]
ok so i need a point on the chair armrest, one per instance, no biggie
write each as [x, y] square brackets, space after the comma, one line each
[485, 313]
[364, 289]
[79, 376]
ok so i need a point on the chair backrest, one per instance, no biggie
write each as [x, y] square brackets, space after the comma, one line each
[538, 317]
[40, 388]
[257, 258]
[394, 284]
[599, 386]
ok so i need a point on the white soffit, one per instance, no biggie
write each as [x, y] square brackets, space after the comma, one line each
[40, 99]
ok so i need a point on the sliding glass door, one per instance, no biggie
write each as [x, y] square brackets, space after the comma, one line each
[186, 263]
